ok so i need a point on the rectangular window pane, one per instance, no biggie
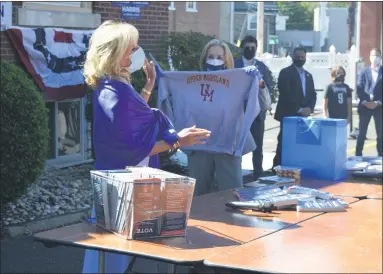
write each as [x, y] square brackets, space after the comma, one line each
[69, 127]
[51, 126]
[252, 22]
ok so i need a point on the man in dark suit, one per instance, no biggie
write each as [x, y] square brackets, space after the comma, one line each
[297, 95]
[369, 89]
[249, 45]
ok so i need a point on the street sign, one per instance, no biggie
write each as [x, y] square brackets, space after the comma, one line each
[130, 12]
[273, 40]
[131, 9]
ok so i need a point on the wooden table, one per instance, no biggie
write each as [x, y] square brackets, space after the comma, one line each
[359, 189]
[212, 229]
[377, 195]
[244, 226]
[348, 242]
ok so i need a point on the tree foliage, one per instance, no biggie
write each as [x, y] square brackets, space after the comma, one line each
[339, 4]
[301, 14]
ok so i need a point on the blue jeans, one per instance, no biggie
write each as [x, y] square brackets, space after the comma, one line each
[364, 121]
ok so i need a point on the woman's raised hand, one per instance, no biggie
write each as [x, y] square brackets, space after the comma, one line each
[192, 135]
[150, 72]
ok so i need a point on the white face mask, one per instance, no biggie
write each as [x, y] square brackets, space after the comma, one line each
[214, 62]
[138, 60]
[375, 60]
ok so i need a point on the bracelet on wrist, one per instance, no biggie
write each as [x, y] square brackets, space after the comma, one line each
[144, 90]
[175, 146]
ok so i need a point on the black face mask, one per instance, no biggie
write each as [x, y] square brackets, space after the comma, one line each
[339, 78]
[299, 63]
[213, 68]
[249, 53]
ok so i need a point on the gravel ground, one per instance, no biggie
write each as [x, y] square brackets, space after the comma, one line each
[62, 191]
[57, 192]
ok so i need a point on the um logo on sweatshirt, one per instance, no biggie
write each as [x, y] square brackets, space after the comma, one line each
[207, 92]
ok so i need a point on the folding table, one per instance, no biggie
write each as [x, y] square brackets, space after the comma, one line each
[349, 187]
[212, 229]
[344, 242]
[377, 195]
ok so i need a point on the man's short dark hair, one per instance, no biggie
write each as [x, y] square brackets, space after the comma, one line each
[299, 49]
[377, 50]
[249, 39]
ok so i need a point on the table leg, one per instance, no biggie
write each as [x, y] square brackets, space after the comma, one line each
[171, 268]
[101, 262]
[130, 266]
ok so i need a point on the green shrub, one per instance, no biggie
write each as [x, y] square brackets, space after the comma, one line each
[24, 132]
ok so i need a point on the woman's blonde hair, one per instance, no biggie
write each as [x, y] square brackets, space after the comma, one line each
[107, 46]
[337, 71]
[228, 56]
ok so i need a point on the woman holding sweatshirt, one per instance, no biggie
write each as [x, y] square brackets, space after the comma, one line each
[212, 169]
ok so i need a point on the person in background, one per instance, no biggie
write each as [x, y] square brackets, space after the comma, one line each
[225, 170]
[297, 95]
[338, 98]
[249, 46]
[369, 90]
[126, 131]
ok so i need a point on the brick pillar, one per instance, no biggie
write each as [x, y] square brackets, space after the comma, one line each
[7, 52]
[370, 28]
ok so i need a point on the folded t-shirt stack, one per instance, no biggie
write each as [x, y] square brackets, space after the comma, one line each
[368, 166]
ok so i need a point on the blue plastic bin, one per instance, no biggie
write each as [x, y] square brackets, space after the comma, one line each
[318, 146]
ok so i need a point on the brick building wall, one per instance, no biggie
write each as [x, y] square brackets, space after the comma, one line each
[370, 28]
[152, 25]
[205, 20]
